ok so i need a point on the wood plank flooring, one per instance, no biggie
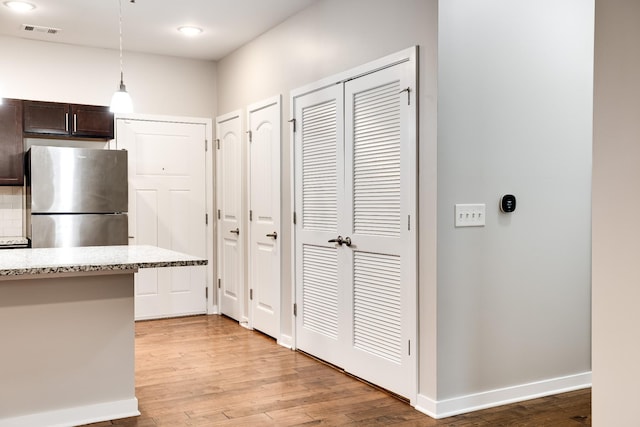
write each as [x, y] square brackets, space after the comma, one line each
[208, 371]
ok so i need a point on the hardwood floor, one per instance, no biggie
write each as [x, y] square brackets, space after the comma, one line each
[208, 371]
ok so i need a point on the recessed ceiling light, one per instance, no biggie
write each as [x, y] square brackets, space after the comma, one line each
[189, 30]
[19, 6]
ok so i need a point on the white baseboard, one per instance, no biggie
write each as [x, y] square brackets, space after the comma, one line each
[286, 341]
[489, 399]
[76, 416]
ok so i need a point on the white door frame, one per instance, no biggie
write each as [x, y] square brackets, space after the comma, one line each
[411, 55]
[209, 185]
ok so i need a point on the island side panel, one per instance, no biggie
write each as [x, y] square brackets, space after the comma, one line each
[67, 349]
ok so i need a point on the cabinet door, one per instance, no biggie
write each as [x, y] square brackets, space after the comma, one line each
[50, 118]
[91, 121]
[11, 146]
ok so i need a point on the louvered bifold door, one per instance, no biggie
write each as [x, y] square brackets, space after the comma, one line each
[322, 275]
[380, 160]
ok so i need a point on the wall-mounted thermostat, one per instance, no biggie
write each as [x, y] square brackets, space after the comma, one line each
[508, 203]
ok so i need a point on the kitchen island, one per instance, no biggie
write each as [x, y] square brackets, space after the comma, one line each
[67, 332]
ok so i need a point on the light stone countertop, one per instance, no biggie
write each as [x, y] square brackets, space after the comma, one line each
[11, 241]
[18, 262]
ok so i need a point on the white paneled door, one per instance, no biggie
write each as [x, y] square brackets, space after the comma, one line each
[231, 234]
[167, 208]
[355, 173]
[263, 123]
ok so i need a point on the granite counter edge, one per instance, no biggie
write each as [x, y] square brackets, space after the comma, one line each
[97, 267]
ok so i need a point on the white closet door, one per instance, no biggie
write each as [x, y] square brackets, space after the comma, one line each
[229, 202]
[355, 182]
[263, 123]
[322, 275]
[380, 185]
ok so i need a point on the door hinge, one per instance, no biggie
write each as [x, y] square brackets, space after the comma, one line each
[206, 145]
[294, 218]
[250, 215]
[218, 213]
[250, 136]
[295, 309]
[218, 144]
[294, 124]
[206, 293]
[219, 283]
[409, 347]
[408, 90]
[206, 219]
[251, 294]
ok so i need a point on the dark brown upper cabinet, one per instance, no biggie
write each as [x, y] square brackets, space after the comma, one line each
[11, 145]
[55, 119]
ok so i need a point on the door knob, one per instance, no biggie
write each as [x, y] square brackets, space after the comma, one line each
[347, 241]
[337, 240]
[236, 231]
[274, 235]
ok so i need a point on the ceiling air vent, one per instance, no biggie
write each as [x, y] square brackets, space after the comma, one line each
[39, 29]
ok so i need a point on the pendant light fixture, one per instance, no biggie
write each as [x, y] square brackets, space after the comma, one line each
[121, 101]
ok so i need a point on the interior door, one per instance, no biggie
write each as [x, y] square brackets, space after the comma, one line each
[380, 191]
[321, 270]
[263, 123]
[355, 195]
[167, 208]
[230, 207]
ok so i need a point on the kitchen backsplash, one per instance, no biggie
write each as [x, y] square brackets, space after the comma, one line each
[10, 211]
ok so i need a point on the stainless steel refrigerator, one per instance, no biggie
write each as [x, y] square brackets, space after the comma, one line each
[76, 197]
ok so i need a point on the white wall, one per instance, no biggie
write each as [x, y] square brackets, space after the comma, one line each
[616, 175]
[63, 73]
[327, 38]
[514, 116]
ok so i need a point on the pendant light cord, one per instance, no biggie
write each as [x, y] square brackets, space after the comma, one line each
[120, 27]
[121, 101]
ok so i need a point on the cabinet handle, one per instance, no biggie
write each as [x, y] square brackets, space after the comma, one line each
[66, 122]
[75, 123]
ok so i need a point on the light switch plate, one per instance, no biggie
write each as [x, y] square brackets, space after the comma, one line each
[470, 215]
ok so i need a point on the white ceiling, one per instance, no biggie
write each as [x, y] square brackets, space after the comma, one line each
[151, 25]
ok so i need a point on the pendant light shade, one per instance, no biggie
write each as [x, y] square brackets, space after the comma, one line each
[121, 101]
